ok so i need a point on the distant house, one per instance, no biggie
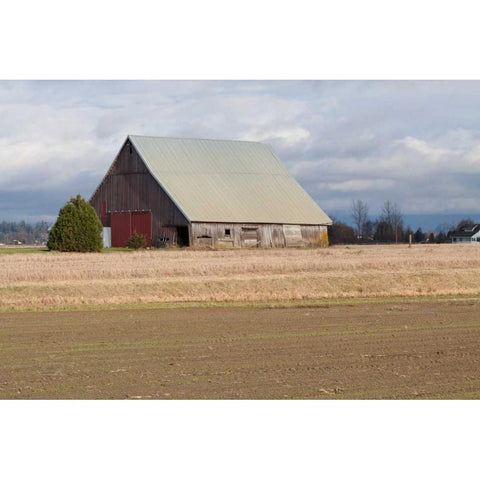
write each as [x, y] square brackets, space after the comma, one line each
[205, 192]
[467, 235]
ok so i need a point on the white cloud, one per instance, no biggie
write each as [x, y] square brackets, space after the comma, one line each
[429, 152]
[398, 140]
[288, 137]
[361, 185]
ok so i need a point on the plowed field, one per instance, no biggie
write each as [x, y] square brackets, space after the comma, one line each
[408, 350]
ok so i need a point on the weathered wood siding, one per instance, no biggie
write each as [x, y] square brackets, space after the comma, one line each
[128, 187]
[251, 235]
[315, 235]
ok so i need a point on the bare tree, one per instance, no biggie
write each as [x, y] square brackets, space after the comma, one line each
[359, 212]
[465, 223]
[392, 215]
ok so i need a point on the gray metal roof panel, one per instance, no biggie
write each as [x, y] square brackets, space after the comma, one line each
[227, 181]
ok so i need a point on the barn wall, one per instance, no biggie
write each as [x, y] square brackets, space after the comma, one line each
[129, 186]
[259, 235]
[316, 235]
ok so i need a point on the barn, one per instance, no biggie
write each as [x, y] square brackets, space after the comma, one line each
[180, 191]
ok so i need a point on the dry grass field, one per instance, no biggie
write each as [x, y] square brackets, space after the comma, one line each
[413, 350]
[64, 281]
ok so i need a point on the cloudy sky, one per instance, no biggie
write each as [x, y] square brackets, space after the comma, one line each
[416, 143]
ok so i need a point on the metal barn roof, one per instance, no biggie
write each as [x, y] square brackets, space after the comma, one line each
[227, 181]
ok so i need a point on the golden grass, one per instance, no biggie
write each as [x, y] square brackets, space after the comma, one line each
[119, 278]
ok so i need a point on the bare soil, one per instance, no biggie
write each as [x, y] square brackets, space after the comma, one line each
[409, 350]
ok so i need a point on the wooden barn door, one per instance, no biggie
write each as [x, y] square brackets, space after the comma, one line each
[125, 223]
[142, 224]
[249, 237]
[121, 228]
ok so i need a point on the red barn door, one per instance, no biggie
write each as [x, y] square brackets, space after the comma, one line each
[142, 224]
[121, 227]
[125, 223]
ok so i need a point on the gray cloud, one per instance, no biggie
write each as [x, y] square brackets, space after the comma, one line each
[416, 143]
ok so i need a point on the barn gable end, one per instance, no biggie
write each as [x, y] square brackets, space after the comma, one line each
[129, 187]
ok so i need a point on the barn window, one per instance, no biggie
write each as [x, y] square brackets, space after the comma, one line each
[204, 236]
[131, 150]
[227, 232]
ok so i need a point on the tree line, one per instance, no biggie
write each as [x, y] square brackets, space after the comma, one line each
[22, 232]
[388, 227]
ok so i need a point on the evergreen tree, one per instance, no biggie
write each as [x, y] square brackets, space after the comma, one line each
[137, 241]
[441, 237]
[77, 229]
[419, 236]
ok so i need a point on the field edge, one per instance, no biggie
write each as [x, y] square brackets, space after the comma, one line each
[327, 302]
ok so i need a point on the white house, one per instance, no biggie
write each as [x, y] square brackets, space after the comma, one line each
[467, 235]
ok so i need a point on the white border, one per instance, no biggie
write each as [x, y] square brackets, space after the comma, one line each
[239, 440]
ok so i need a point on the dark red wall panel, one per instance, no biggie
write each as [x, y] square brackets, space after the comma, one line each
[142, 224]
[125, 223]
[121, 228]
